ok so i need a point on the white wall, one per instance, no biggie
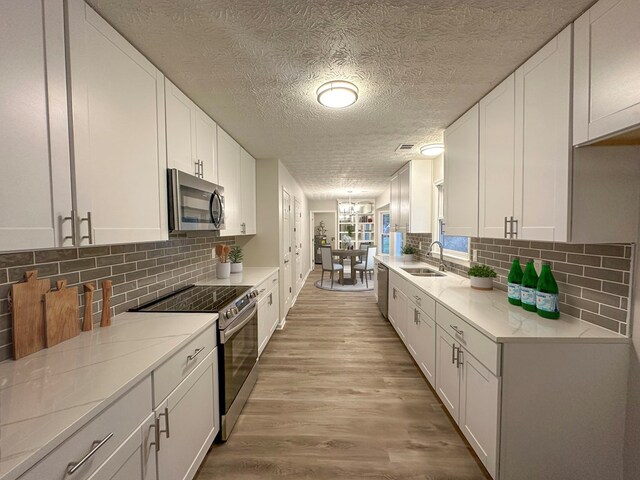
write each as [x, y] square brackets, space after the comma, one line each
[323, 205]
[437, 168]
[632, 424]
[329, 223]
[384, 199]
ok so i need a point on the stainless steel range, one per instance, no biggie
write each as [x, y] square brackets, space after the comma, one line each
[237, 339]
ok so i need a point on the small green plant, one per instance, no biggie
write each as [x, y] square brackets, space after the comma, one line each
[483, 271]
[235, 254]
[350, 230]
[409, 250]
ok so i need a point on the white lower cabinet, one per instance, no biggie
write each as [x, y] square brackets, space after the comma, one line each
[398, 306]
[187, 422]
[448, 373]
[421, 341]
[268, 316]
[479, 406]
[135, 459]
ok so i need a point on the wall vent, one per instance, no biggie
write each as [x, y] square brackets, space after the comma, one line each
[405, 147]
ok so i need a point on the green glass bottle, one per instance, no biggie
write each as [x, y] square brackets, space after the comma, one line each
[528, 288]
[547, 294]
[514, 281]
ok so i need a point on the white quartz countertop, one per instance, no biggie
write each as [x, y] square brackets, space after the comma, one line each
[491, 313]
[48, 396]
[250, 276]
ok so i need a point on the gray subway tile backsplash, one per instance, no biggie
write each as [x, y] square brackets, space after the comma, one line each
[593, 279]
[140, 272]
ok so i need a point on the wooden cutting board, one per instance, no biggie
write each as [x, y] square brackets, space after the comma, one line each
[27, 314]
[61, 314]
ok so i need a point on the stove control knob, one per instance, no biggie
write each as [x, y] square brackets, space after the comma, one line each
[234, 311]
[253, 294]
[228, 314]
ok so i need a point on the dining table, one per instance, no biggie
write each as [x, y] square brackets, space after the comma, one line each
[352, 254]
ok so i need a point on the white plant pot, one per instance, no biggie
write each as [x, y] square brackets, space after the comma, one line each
[407, 258]
[481, 283]
[223, 270]
[236, 267]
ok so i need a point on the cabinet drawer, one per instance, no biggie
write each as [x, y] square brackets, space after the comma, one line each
[119, 420]
[423, 301]
[399, 283]
[265, 287]
[168, 375]
[477, 344]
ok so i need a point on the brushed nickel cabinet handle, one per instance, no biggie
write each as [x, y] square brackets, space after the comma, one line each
[195, 354]
[89, 235]
[457, 330]
[166, 422]
[459, 358]
[453, 353]
[97, 445]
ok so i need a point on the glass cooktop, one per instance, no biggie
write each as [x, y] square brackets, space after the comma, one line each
[195, 298]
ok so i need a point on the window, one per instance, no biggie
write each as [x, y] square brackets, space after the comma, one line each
[385, 219]
[454, 246]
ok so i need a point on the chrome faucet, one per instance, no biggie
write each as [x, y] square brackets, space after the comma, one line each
[442, 267]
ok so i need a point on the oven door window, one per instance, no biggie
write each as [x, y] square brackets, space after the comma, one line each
[240, 354]
[194, 206]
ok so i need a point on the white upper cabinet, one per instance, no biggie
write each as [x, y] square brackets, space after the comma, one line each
[411, 197]
[118, 118]
[229, 158]
[606, 97]
[497, 159]
[461, 175]
[34, 140]
[542, 142]
[191, 136]
[248, 195]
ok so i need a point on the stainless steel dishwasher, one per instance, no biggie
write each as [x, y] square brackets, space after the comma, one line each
[383, 289]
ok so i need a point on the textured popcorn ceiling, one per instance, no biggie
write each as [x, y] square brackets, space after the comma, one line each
[254, 66]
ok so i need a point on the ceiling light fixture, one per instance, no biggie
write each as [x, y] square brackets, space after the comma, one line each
[337, 94]
[432, 150]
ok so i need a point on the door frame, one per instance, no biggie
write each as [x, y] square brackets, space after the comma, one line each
[379, 232]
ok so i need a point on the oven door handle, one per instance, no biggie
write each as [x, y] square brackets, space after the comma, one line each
[228, 333]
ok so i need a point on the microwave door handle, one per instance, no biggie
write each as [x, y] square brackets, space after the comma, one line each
[221, 205]
[214, 197]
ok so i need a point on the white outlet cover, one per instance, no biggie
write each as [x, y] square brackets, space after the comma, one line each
[475, 254]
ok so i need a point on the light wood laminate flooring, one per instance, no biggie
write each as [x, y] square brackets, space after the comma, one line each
[339, 397]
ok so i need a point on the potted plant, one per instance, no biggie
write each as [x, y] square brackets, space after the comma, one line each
[223, 267]
[235, 257]
[408, 252]
[481, 277]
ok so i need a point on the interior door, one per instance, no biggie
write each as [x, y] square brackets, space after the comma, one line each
[286, 247]
[297, 233]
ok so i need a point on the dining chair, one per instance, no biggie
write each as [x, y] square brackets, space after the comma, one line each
[328, 264]
[367, 266]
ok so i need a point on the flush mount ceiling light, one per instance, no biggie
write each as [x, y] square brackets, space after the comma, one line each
[432, 150]
[337, 94]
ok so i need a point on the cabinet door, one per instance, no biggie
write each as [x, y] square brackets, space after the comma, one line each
[229, 179]
[447, 373]
[420, 196]
[248, 200]
[34, 138]
[395, 202]
[497, 159]
[402, 317]
[606, 96]
[404, 178]
[206, 140]
[274, 309]
[135, 459]
[425, 341]
[263, 323]
[461, 175]
[543, 149]
[117, 99]
[188, 422]
[479, 400]
[180, 130]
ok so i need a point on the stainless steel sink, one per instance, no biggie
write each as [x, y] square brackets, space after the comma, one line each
[423, 272]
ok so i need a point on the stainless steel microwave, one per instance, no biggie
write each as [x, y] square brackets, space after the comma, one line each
[194, 203]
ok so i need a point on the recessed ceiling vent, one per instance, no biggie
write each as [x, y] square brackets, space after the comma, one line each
[405, 147]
